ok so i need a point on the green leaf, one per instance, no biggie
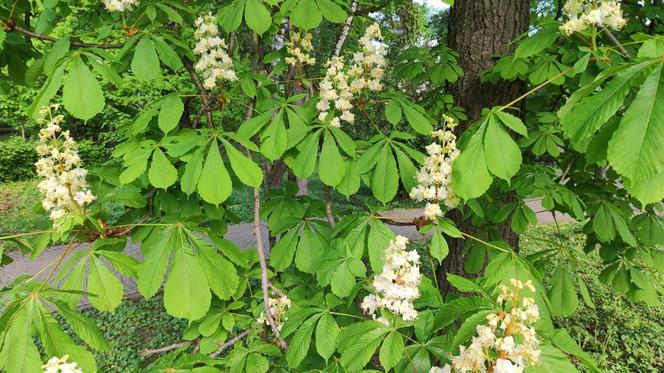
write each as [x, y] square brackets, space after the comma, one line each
[635, 150]
[84, 327]
[385, 177]
[306, 15]
[552, 360]
[343, 280]
[567, 344]
[20, 351]
[186, 293]
[230, 17]
[155, 262]
[379, 237]
[82, 94]
[57, 343]
[327, 332]
[145, 63]
[161, 174]
[463, 284]
[221, 274]
[257, 16]
[299, 344]
[562, 294]
[274, 140]
[331, 168]
[107, 289]
[470, 175]
[407, 170]
[590, 113]
[393, 112]
[439, 248]
[332, 11]
[48, 91]
[534, 44]
[416, 119]
[166, 53]
[648, 190]
[512, 122]
[391, 351]
[57, 52]
[172, 108]
[467, 328]
[215, 184]
[310, 250]
[192, 173]
[246, 170]
[503, 156]
[305, 162]
[350, 184]
[281, 255]
[358, 342]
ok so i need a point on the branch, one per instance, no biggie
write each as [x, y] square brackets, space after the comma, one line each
[346, 29]
[328, 206]
[265, 281]
[160, 350]
[617, 43]
[201, 90]
[230, 342]
[10, 27]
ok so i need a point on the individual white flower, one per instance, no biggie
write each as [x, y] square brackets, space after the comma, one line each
[435, 176]
[120, 5]
[397, 286]
[582, 14]
[63, 184]
[214, 63]
[60, 365]
[446, 369]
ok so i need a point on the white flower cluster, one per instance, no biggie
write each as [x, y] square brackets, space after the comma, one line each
[435, 176]
[397, 285]
[299, 48]
[120, 5]
[339, 85]
[278, 307]
[60, 365]
[64, 187]
[584, 13]
[215, 64]
[508, 343]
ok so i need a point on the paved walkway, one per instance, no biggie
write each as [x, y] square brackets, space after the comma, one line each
[241, 234]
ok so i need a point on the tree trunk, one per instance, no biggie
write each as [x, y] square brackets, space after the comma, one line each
[479, 30]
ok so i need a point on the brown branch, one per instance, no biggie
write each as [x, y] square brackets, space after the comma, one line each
[329, 213]
[265, 281]
[10, 27]
[201, 90]
[160, 350]
[230, 342]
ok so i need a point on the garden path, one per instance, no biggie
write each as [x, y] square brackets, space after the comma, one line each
[241, 234]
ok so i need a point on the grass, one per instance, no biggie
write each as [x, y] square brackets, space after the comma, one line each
[20, 210]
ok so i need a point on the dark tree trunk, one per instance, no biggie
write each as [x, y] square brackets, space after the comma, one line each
[479, 30]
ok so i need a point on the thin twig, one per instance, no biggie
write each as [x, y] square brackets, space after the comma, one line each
[329, 213]
[617, 43]
[346, 29]
[43, 37]
[160, 350]
[230, 342]
[265, 281]
[201, 90]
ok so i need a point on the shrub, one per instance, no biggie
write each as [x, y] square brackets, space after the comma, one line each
[622, 335]
[17, 157]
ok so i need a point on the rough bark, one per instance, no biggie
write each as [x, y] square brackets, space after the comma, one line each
[479, 30]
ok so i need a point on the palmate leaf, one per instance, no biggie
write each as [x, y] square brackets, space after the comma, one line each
[470, 175]
[564, 299]
[385, 177]
[590, 113]
[331, 168]
[358, 342]
[635, 150]
[214, 185]
[503, 156]
[145, 63]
